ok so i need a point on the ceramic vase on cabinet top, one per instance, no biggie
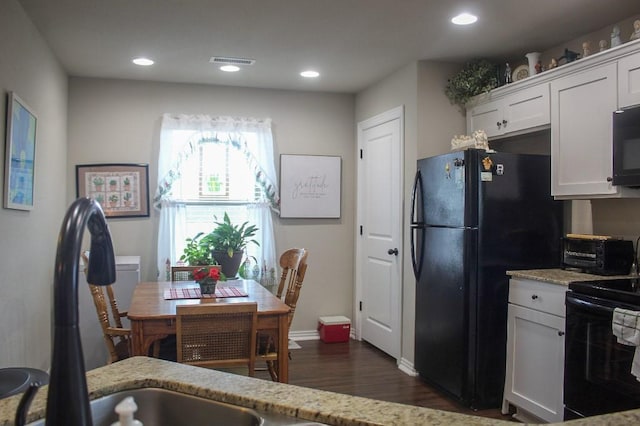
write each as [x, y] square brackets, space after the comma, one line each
[532, 58]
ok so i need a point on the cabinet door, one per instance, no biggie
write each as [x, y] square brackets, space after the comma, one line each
[487, 117]
[629, 80]
[526, 109]
[535, 362]
[581, 154]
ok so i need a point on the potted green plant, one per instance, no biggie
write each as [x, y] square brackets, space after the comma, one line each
[196, 252]
[228, 242]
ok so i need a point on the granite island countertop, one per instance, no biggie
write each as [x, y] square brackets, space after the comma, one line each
[262, 395]
[560, 276]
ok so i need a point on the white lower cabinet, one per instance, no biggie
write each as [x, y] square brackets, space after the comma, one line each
[535, 351]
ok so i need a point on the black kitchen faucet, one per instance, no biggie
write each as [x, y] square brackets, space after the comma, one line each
[68, 398]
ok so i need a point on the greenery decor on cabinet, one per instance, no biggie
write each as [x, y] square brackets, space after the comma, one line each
[477, 76]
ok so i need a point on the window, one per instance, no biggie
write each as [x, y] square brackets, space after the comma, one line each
[214, 180]
[206, 169]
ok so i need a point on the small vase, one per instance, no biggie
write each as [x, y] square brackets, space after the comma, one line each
[532, 58]
[208, 288]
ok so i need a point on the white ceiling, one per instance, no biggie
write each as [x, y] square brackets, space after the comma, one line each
[352, 43]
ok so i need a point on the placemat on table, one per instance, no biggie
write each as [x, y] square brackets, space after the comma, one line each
[194, 293]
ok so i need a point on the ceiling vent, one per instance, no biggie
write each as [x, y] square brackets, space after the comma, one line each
[231, 61]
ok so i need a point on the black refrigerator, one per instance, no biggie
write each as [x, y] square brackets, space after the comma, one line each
[475, 215]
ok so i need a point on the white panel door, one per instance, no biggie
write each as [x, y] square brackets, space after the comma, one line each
[381, 236]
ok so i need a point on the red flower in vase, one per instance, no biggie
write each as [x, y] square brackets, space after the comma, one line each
[206, 275]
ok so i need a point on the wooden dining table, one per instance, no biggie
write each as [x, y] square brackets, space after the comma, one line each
[153, 317]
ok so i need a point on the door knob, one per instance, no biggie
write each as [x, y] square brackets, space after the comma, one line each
[393, 251]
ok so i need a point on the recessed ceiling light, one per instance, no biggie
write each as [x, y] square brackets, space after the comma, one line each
[229, 68]
[464, 19]
[145, 62]
[310, 74]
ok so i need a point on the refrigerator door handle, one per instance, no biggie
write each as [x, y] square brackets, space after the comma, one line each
[416, 263]
[417, 189]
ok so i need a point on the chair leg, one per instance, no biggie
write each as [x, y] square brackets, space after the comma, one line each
[273, 370]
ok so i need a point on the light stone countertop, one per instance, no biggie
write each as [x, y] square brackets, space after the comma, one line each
[262, 395]
[560, 276]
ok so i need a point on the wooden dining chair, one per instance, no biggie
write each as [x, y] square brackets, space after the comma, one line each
[217, 335]
[116, 337]
[294, 267]
[183, 273]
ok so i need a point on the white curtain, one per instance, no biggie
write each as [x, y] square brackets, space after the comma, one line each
[179, 136]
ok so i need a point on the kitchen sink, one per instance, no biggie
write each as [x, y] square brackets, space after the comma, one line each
[161, 407]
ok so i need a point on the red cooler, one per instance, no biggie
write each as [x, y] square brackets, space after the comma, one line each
[334, 329]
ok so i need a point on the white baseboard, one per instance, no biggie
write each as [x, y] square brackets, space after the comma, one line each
[311, 335]
[304, 335]
[407, 367]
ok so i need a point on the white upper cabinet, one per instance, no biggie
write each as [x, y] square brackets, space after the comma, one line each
[629, 80]
[512, 113]
[576, 101]
[581, 155]
[486, 116]
[527, 109]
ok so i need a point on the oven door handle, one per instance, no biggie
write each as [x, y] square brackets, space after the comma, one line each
[583, 304]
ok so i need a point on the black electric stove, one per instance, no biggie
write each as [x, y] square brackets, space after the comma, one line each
[597, 377]
[625, 290]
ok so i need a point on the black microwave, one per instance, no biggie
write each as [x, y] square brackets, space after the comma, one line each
[626, 147]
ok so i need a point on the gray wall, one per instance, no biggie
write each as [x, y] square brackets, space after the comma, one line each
[118, 121]
[28, 244]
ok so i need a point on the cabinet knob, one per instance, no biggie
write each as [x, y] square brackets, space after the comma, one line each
[499, 124]
[534, 296]
[504, 122]
[560, 333]
[609, 179]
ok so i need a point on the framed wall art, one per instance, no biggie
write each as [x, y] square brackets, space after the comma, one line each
[310, 186]
[20, 155]
[121, 189]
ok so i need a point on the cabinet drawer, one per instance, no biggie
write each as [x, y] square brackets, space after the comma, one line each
[538, 295]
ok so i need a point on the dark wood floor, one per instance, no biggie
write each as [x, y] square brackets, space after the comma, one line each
[358, 368]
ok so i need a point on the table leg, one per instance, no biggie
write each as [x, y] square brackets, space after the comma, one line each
[283, 348]
[137, 339]
[141, 343]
